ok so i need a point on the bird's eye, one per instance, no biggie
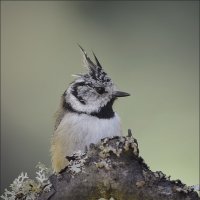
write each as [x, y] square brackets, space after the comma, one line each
[100, 90]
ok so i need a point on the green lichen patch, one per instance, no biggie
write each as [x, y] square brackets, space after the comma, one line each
[26, 188]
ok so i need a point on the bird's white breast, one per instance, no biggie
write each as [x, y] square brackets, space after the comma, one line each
[79, 130]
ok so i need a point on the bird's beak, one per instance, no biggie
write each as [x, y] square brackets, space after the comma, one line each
[120, 94]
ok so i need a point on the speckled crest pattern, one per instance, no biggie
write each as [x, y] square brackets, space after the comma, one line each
[96, 75]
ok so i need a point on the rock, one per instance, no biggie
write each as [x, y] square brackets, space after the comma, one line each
[113, 169]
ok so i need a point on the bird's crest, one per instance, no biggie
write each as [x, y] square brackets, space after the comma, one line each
[95, 74]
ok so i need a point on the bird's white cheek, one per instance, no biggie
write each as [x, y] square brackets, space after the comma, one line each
[89, 107]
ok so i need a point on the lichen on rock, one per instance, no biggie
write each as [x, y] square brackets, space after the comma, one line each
[113, 169]
[76, 162]
[26, 188]
[109, 170]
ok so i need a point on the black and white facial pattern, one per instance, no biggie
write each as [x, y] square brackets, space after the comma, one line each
[91, 93]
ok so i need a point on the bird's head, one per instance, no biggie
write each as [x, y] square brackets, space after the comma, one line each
[93, 92]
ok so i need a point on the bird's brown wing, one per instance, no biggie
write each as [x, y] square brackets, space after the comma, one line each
[59, 113]
[57, 155]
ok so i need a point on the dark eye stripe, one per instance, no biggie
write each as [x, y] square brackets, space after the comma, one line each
[100, 90]
[75, 93]
[79, 84]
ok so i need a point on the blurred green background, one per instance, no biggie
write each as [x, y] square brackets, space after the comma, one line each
[150, 49]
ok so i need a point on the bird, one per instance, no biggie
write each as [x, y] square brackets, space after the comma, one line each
[85, 114]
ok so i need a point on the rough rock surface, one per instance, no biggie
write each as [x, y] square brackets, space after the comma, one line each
[113, 170]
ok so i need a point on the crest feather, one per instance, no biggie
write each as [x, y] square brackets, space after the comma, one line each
[77, 75]
[97, 62]
[96, 71]
[86, 60]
